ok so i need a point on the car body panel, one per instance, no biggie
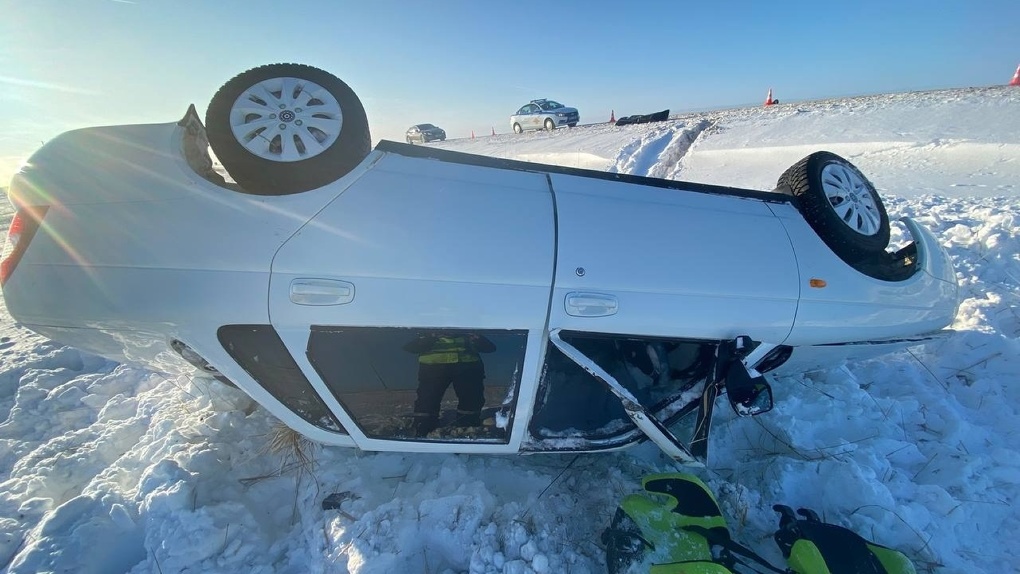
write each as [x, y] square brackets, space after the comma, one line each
[90, 237]
[700, 264]
[106, 165]
[488, 252]
[866, 308]
[806, 358]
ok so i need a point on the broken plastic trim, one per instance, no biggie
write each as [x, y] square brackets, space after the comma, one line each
[648, 424]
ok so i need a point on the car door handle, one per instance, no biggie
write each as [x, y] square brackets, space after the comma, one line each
[321, 292]
[581, 304]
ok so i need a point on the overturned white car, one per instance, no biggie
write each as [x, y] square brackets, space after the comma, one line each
[615, 305]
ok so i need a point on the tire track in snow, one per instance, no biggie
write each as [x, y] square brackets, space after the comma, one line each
[660, 153]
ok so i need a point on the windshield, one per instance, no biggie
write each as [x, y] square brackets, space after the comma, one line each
[550, 105]
[426, 126]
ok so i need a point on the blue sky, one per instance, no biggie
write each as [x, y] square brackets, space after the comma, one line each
[467, 65]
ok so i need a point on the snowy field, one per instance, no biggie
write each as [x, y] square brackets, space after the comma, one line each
[105, 468]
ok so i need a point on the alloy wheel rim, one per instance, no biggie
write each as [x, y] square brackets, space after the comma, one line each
[851, 198]
[286, 119]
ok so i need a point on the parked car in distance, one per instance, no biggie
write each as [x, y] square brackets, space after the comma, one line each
[543, 114]
[423, 133]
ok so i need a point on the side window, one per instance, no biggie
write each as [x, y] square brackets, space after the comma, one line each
[533, 109]
[260, 352]
[522, 111]
[422, 384]
[573, 404]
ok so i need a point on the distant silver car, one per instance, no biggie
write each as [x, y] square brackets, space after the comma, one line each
[543, 114]
[423, 133]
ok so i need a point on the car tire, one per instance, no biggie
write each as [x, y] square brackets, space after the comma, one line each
[550, 125]
[840, 204]
[518, 129]
[324, 135]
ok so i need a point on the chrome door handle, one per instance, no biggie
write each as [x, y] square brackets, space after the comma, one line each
[321, 292]
[583, 304]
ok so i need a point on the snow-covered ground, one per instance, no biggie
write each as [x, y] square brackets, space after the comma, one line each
[108, 468]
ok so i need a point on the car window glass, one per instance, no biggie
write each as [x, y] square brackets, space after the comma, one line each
[574, 404]
[386, 377]
[259, 350]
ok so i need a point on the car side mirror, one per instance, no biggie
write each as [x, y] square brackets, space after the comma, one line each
[749, 395]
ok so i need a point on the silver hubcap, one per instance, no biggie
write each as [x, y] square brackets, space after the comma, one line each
[851, 198]
[286, 119]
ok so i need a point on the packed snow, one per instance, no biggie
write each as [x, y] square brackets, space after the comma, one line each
[110, 468]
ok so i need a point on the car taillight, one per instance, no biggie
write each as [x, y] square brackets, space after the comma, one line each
[23, 227]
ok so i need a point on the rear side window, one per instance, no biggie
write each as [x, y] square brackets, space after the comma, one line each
[260, 352]
[377, 374]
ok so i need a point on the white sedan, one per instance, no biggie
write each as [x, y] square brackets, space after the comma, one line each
[619, 306]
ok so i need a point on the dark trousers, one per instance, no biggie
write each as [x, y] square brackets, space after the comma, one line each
[434, 379]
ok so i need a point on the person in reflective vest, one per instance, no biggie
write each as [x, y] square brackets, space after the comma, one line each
[445, 359]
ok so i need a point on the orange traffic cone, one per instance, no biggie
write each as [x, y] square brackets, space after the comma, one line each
[612, 116]
[768, 99]
[1016, 78]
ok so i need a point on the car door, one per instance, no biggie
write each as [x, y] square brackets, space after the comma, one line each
[651, 278]
[534, 116]
[658, 261]
[418, 248]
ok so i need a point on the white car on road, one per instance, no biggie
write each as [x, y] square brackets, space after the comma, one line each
[543, 115]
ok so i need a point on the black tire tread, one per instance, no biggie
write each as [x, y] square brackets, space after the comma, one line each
[850, 246]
